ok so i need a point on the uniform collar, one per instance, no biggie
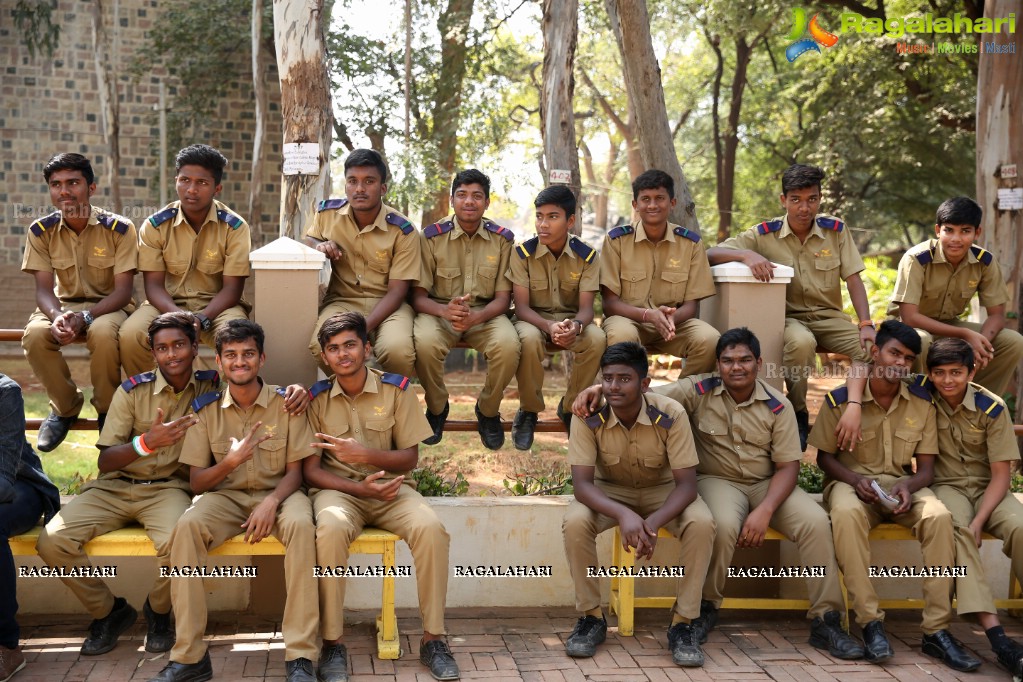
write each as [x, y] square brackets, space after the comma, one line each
[93, 220]
[938, 254]
[567, 252]
[669, 234]
[759, 392]
[786, 229]
[643, 418]
[902, 393]
[263, 399]
[161, 383]
[211, 215]
[372, 385]
[969, 400]
[481, 232]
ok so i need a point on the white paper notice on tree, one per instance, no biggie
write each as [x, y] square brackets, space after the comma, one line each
[301, 158]
[1010, 199]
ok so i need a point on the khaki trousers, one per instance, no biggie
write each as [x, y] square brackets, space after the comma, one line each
[799, 355]
[587, 349]
[694, 340]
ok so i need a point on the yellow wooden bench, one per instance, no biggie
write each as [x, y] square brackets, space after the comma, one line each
[133, 541]
[623, 600]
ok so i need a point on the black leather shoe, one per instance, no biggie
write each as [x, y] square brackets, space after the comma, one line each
[706, 622]
[53, 431]
[684, 645]
[827, 633]
[437, 424]
[589, 631]
[159, 633]
[565, 417]
[186, 672]
[491, 431]
[1010, 657]
[299, 670]
[950, 650]
[333, 663]
[876, 647]
[436, 656]
[523, 427]
[103, 632]
[803, 422]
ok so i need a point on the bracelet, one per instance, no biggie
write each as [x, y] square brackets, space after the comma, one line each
[139, 444]
[865, 323]
[854, 402]
[645, 311]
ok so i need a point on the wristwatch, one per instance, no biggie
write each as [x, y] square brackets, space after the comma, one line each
[87, 318]
[204, 322]
[580, 323]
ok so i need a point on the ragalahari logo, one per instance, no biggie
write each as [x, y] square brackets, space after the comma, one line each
[802, 45]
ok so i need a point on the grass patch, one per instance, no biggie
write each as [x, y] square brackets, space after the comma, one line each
[74, 460]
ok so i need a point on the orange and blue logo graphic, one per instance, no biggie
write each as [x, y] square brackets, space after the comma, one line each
[802, 44]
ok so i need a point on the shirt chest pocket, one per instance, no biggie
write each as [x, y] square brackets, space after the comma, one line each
[486, 281]
[635, 285]
[446, 282]
[672, 289]
[540, 294]
[827, 271]
[973, 437]
[713, 426]
[176, 267]
[273, 455]
[864, 452]
[210, 262]
[906, 442]
[378, 433]
[101, 272]
[64, 267]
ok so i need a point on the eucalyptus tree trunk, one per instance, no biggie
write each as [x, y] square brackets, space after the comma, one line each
[557, 119]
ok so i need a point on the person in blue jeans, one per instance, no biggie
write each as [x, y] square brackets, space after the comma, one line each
[25, 495]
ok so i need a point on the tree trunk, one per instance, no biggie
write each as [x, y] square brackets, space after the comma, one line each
[305, 104]
[730, 143]
[557, 119]
[454, 25]
[1000, 141]
[631, 24]
[109, 113]
[255, 212]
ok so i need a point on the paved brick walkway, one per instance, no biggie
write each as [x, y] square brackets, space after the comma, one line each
[516, 644]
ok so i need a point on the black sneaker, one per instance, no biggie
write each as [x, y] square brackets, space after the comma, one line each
[523, 427]
[186, 672]
[299, 670]
[436, 656]
[53, 431]
[803, 422]
[827, 633]
[706, 622]
[103, 632]
[685, 648]
[490, 429]
[565, 417]
[333, 663]
[159, 633]
[950, 650]
[876, 647]
[437, 424]
[1010, 657]
[589, 631]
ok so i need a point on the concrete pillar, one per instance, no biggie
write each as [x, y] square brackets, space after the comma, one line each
[287, 282]
[744, 301]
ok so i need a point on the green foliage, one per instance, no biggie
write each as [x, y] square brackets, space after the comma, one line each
[430, 481]
[554, 482]
[879, 280]
[811, 478]
[34, 21]
[1016, 483]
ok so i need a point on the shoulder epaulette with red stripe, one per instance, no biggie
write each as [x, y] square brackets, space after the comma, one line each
[581, 248]
[205, 399]
[527, 248]
[437, 229]
[329, 204]
[45, 223]
[767, 227]
[319, 387]
[207, 375]
[498, 230]
[982, 255]
[659, 418]
[830, 224]
[114, 222]
[837, 396]
[988, 405]
[131, 382]
[233, 221]
[692, 235]
[776, 405]
[708, 384]
[163, 216]
[401, 222]
[598, 417]
[620, 231]
[399, 380]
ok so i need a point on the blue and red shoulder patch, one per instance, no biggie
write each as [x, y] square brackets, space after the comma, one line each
[437, 229]
[708, 384]
[498, 230]
[767, 227]
[399, 380]
[137, 380]
[774, 404]
[830, 224]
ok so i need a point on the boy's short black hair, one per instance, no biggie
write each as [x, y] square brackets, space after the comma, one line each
[959, 211]
[342, 322]
[240, 330]
[202, 155]
[361, 158]
[627, 353]
[739, 336]
[557, 195]
[950, 351]
[471, 176]
[801, 176]
[69, 161]
[173, 320]
[901, 332]
[653, 179]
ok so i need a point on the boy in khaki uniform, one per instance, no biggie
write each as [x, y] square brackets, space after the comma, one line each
[463, 292]
[140, 481]
[898, 425]
[245, 454]
[374, 254]
[554, 287]
[370, 427]
[822, 254]
[194, 257]
[83, 260]
[652, 277]
[936, 280]
[634, 466]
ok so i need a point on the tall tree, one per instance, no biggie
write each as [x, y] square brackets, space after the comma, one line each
[305, 104]
[106, 80]
[262, 99]
[557, 119]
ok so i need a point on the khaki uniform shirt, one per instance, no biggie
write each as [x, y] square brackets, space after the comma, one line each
[641, 457]
[647, 275]
[373, 256]
[384, 416]
[890, 439]
[221, 419]
[133, 411]
[969, 439]
[555, 282]
[196, 264]
[739, 442]
[941, 291]
[820, 265]
[455, 264]
[83, 265]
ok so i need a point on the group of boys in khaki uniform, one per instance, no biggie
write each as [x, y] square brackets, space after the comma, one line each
[652, 276]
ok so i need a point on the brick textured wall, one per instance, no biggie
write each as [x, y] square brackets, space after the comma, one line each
[52, 105]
